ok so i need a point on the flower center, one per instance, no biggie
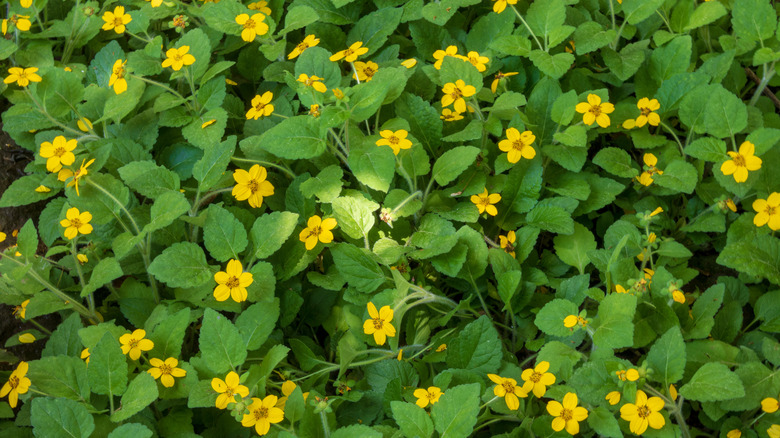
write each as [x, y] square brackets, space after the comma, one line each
[567, 414]
[394, 140]
[431, 396]
[250, 24]
[133, 342]
[456, 93]
[119, 72]
[771, 210]
[165, 368]
[484, 201]
[254, 185]
[369, 72]
[643, 411]
[302, 46]
[739, 160]
[76, 223]
[518, 145]
[14, 382]
[232, 282]
[378, 323]
[60, 151]
[229, 393]
[316, 231]
[535, 377]
[118, 21]
[595, 110]
[646, 111]
[508, 387]
[348, 52]
[261, 413]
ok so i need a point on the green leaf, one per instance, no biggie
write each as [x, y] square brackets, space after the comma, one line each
[141, 392]
[257, 322]
[105, 271]
[221, 344]
[61, 376]
[212, 94]
[476, 258]
[637, 11]
[452, 163]
[707, 149]
[356, 431]
[544, 17]
[168, 336]
[22, 190]
[424, 121]
[476, 348]
[454, 69]
[551, 218]
[514, 45]
[725, 115]
[357, 267]
[223, 234]
[614, 327]
[104, 207]
[667, 357]
[554, 66]
[759, 257]
[604, 423]
[354, 214]
[209, 169]
[298, 17]
[627, 62]
[295, 138]
[591, 36]
[27, 240]
[119, 105]
[166, 209]
[271, 230]
[107, 370]
[131, 430]
[182, 264]
[550, 317]
[705, 14]
[314, 61]
[434, 236]
[372, 165]
[704, 310]
[671, 59]
[374, 28]
[326, 185]
[149, 179]
[412, 419]
[65, 340]
[60, 418]
[455, 414]
[616, 161]
[205, 137]
[679, 176]
[712, 382]
[754, 20]
[573, 249]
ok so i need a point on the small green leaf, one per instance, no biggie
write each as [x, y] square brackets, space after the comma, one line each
[257, 322]
[476, 348]
[271, 230]
[326, 185]
[554, 66]
[209, 169]
[616, 161]
[355, 214]
[105, 271]
[165, 210]
[455, 414]
[224, 235]
[667, 357]
[704, 14]
[141, 392]
[357, 267]
[452, 163]
[678, 175]
[182, 264]
[707, 149]
[614, 327]
[221, 344]
[107, 370]
[551, 218]
[573, 249]
[412, 419]
[295, 138]
[550, 317]
[712, 382]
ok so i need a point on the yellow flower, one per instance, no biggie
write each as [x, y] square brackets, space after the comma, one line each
[26, 338]
[741, 162]
[440, 54]
[314, 110]
[454, 94]
[82, 258]
[396, 140]
[287, 389]
[208, 123]
[227, 389]
[538, 379]
[450, 116]
[21, 309]
[2, 236]
[338, 93]
[84, 124]
[22, 76]
[117, 79]
[441, 348]
[165, 371]
[678, 296]
[507, 387]
[734, 433]
[613, 398]
[570, 48]
[518, 145]
[350, 54]
[312, 81]
[648, 108]
[570, 321]
[58, 153]
[261, 106]
[770, 405]
[400, 356]
[500, 5]
[485, 201]
[507, 243]
[42, 189]
[316, 230]
[409, 63]
[730, 205]
[595, 111]
[499, 76]
[643, 413]
[253, 26]
[774, 431]
[378, 323]
[646, 178]
[768, 211]
[673, 392]
[26, 3]
[262, 413]
[155, 3]
[178, 58]
[427, 396]
[478, 61]
[134, 343]
[309, 41]
[252, 185]
[365, 70]
[22, 22]
[632, 375]
[620, 289]
[230, 82]
[232, 282]
[76, 223]
[79, 174]
[85, 355]
[116, 20]
[567, 415]
[261, 6]
[17, 384]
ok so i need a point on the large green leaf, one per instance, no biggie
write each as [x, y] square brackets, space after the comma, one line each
[357, 267]
[141, 392]
[271, 230]
[221, 344]
[455, 414]
[224, 235]
[667, 357]
[712, 382]
[182, 264]
[452, 163]
[107, 370]
[295, 138]
[60, 418]
[477, 348]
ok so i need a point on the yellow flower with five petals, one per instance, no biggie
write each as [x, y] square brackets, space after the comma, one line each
[538, 379]
[228, 389]
[595, 111]
[22, 76]
[252, 185]
[117, 79]
[378, 323]
[741, 162]
[567, 414]
[135, 343]
[317, 230]
[484, 202]
[454, 94]
[178, 58]
[252, 26]
[768, 212]
[261, 106]
[309, 41]
[262, 413]
[518, 145]
[427, 396]
[312, 81]
[643, 412]
[58, 152]
[350, 54]
[76, 223]
[165, 370]
[507, 388]
[232, 282]
[396, 140]
[17, 384]
[116, 20]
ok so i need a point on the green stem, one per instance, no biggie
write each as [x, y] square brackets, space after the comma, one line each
[325, 426]
[74, 253]
[42, 328]
[113, 198]
[768, 75]
[676, 138]
[147, 41]
[191, 82]
[43, 111]
[405, 201]
[522, 20]
[166, 88]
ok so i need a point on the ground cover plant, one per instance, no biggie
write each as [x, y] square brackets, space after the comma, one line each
[391, 218]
